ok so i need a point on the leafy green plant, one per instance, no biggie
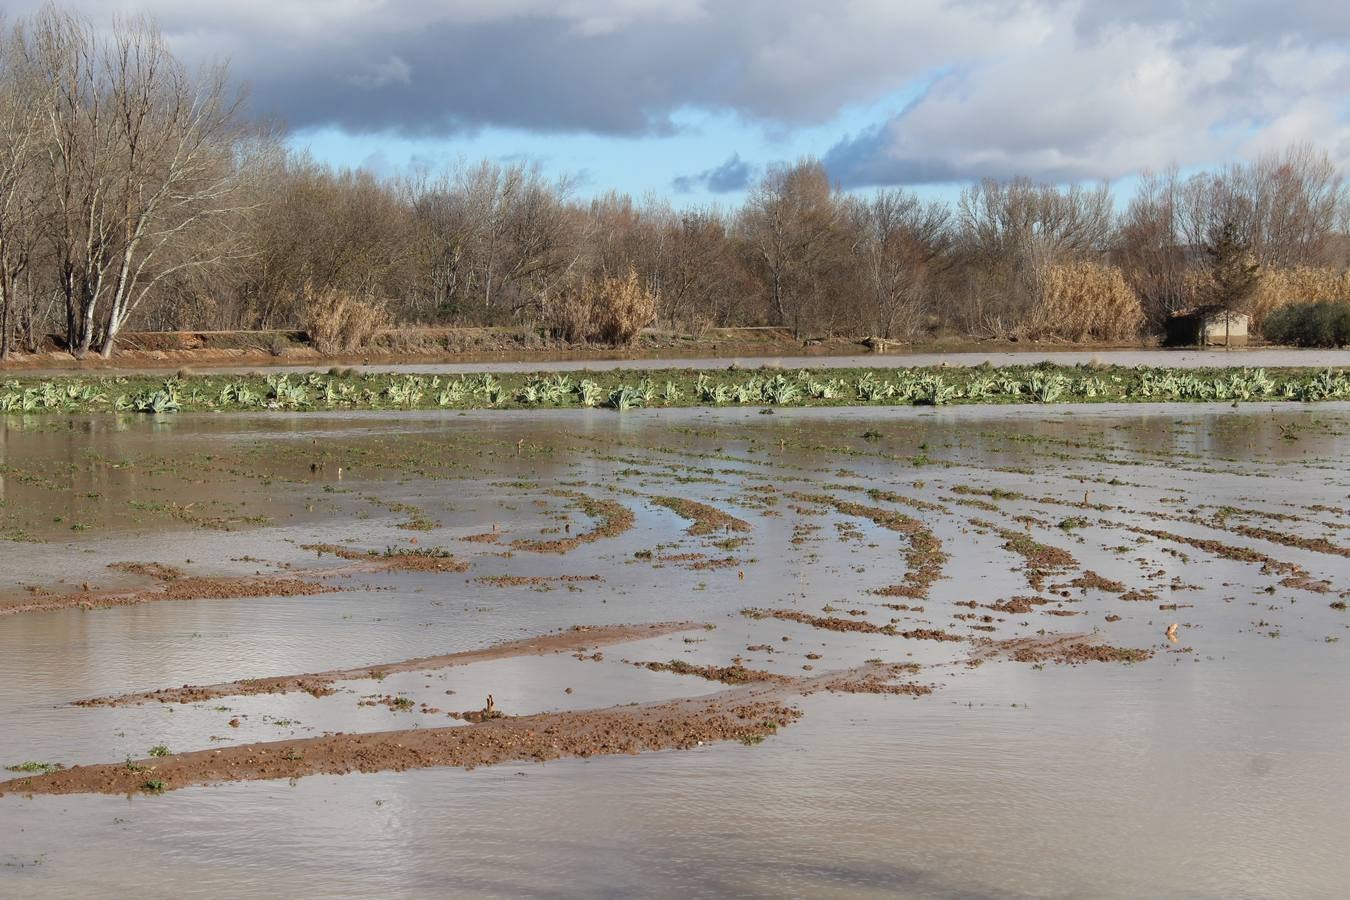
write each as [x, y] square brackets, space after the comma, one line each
[624, 397]
[1046, 387]
[933, 390]
[780, 391]
[588, 393]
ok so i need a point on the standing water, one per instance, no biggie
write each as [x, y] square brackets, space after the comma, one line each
[972, 611]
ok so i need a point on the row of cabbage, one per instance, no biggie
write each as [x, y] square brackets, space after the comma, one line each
[803, 387]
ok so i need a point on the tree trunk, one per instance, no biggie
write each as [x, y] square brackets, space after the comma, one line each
[86, 333]
[106, 351]
[72, 324]
[6, 326]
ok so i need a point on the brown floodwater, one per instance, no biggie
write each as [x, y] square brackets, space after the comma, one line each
[1215, 767]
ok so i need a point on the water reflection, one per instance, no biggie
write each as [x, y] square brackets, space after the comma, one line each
[1215, 772]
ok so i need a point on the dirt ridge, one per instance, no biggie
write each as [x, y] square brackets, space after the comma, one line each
[321, 684]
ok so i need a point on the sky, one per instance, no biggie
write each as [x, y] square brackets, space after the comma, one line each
[692, 99]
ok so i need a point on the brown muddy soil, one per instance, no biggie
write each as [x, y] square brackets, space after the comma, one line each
[930, 634]
[681, 724]
[1295, 575]
[1315, 545]
[1220, 549]
[575, 639]
[828, 623]
[1017, 605]
[1059, 648]
[396, 560]
[533, 580]
[925, 556]
[706, 519]
[874, 678]
[179, 587]
[157, 571]
[878, 686]
[1090, 579]
[733, 674]
[1041, 560]
[613, 520]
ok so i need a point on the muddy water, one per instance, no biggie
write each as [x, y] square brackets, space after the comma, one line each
[1213, 769]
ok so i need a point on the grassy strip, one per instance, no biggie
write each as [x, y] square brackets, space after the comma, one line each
[342, 389]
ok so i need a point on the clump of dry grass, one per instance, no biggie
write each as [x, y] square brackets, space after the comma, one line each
[1085, 301]
[340, 322]
[607, 310]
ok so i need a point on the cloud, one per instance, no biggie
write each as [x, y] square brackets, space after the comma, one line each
[1103, 103]
[610, 67]
[732, 175]
[1051, 88]
[393, 71]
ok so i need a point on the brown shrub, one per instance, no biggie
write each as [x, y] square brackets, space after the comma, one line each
[569, 315]
[622, 308]
[340, 322]
[607, 310]
[1085, 301]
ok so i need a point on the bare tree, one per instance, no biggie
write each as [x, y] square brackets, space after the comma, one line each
[902, 245]
[1011, 232]
[699, 275]
[138, 165]
[445, 230]
[791, 223]
[1149, 245]
[1287, 206]
[20, 196]
[545, 244]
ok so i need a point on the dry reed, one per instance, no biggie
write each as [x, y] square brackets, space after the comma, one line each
[340, 322]
[1085, 301]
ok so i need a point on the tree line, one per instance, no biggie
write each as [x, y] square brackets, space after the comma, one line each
[136, 194]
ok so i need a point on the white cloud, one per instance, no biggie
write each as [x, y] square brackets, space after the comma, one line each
[1107, 102]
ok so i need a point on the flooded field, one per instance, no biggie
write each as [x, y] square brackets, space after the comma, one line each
[976, 651]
